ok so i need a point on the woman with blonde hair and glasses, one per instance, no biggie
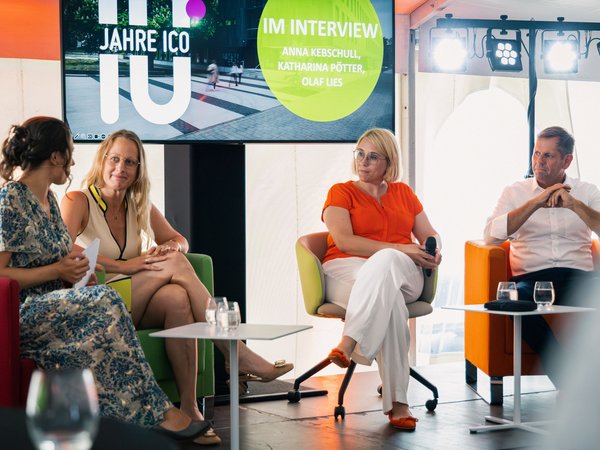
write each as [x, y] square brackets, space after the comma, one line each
[162, 285]
[373, 268]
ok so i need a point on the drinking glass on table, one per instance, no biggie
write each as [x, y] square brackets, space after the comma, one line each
[223, 316]
[62, 409]
[543, 294]
[212, 306]
[507, 290]
[210, 313]
[234, 316]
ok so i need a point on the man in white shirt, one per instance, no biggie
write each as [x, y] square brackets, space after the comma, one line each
[549, 220]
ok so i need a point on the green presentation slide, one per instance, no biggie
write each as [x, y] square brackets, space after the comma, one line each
[321, 59]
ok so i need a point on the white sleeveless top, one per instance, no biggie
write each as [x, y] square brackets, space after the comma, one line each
[97, 227]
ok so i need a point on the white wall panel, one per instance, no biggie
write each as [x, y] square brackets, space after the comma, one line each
[41, 88]
[28, 88]
[270, 232]
[11, 93]
[583, 100]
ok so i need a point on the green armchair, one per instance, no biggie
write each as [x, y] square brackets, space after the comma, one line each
[154, 348]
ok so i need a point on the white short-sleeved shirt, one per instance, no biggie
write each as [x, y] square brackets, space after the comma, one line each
[551, 237]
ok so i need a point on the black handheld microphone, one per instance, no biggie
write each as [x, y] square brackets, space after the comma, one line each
[430, 245]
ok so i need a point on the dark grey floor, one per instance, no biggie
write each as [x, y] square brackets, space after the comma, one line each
[309, 424]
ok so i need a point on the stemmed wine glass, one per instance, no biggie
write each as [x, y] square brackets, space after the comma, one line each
[62, 409]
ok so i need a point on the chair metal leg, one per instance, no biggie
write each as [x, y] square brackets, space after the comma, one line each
[496, 384]
[496, 391]
[306, 375]
[294, 394]
[470, 373]
[429, 404]
[339, 409]
[207, 407]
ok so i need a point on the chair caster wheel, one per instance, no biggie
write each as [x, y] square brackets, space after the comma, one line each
[431, 404]
[380, 389]
[294, 396]
[339, 411]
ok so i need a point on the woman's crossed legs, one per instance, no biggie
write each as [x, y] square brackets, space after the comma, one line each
[172, 297]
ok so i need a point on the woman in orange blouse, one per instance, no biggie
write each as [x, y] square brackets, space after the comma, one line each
[373, 268]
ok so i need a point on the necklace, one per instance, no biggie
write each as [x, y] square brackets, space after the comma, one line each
[111, 212]
[116, 215]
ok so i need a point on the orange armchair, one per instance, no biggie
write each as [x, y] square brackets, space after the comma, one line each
[489, 338]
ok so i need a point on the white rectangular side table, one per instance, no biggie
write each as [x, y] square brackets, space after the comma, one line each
[504, 424]
[202, 330]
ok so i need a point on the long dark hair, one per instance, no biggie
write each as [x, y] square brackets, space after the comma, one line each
[30, 144]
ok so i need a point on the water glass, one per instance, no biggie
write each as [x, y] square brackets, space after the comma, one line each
[62, 409]
[543, 294]
[235, 317]
[507, 290]
[212, 306]
[223, 316]
[210, 313]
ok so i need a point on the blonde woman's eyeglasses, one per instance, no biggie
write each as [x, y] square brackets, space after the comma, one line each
[372, 157]
[114, 161]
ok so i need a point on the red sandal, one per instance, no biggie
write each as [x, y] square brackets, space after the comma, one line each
[408, 423]
[337, 357]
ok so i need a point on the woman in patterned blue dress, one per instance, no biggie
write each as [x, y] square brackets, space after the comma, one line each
[64, 327]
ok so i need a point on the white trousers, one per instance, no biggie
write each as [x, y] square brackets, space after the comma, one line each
[375, 292]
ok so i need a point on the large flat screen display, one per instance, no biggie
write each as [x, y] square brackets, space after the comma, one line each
[228, 70]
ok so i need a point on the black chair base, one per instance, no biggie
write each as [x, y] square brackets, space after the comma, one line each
[429, 404]
[294, 395]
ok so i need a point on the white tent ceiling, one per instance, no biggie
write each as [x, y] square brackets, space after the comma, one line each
[571, 10]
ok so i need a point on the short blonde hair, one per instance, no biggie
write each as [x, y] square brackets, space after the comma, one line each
[138, 194]
[385, 142]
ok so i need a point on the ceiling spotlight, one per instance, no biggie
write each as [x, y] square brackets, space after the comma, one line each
[560, 52]
[504, 54]
[561, 55]
[449, 53]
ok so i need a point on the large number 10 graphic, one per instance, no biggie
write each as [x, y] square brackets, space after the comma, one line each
[138, 67]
